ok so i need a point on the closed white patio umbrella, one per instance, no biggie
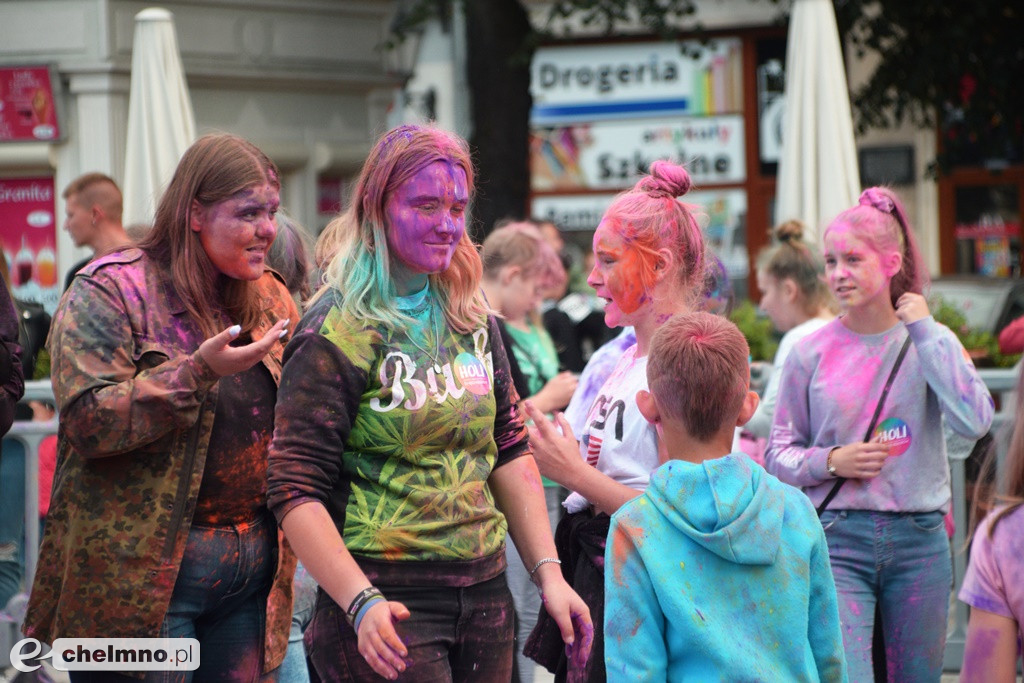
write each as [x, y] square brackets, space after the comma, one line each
[161, 125]
[818, 174]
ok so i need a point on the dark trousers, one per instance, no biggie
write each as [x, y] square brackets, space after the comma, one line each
[453, 634]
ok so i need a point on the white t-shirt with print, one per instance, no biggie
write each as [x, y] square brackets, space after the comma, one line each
[617, 439]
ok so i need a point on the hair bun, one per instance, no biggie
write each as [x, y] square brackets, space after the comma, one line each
[666, 179]
[790, 232]
[876, 198]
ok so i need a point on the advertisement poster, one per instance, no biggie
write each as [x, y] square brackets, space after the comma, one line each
[27, 108]
[591, 82]
[614, 154]
[995, 242]
[29, 229]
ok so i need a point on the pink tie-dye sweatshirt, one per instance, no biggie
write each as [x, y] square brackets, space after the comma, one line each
[830, 386]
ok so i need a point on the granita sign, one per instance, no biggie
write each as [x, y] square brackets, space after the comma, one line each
[590, 82]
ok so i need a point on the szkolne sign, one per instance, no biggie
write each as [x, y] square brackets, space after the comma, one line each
[614, 154]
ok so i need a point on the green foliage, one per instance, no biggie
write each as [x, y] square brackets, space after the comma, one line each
[758, 330]
[948, 64]
[981, 344]
[660, 17]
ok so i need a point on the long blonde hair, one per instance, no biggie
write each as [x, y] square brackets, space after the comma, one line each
[353, 248]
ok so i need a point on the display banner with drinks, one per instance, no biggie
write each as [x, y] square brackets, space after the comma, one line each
[29, 228]
[27, 105]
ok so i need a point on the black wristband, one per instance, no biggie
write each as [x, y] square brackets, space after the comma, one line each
[357, 602]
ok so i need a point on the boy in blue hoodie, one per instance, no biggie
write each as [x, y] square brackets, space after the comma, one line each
[718, 571]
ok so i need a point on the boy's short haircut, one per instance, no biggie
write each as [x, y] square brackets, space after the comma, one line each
[697, 370]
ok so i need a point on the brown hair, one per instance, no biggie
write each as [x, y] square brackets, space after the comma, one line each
[96, 189]
[289, 256]
[793, 259]
[697, 371]
[520, 244]
[214, 168]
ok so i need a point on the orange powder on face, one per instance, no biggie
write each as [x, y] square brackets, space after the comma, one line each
[631, 279]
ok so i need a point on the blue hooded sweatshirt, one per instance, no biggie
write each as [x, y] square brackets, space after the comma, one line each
[720, 572]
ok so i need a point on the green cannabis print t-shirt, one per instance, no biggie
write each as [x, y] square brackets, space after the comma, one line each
[397, 432]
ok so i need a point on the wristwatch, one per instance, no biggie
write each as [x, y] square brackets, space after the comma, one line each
[828, 463]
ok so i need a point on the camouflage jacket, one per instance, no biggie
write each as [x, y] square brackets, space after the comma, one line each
[136, 404]
[12, 382]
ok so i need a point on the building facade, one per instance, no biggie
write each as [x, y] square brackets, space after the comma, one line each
[305, 80]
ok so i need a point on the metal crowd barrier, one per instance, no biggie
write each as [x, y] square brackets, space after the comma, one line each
[31, 434]
[1001, 382]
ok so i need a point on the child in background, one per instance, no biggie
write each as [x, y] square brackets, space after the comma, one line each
[718, 571]
[994, 584]
[796, 298]
[887, 540]
[517, 265]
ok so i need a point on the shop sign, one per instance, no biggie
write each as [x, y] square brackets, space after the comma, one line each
[27, 214]
[613, 81]
[609, 154]
[987, 228]
[27, 106]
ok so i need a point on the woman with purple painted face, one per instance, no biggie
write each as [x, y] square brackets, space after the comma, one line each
[886, 536]
[166, 360]
[400, 458]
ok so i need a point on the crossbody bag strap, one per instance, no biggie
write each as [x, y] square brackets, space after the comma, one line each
[871, 427]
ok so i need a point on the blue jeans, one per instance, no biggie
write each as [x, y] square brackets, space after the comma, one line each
[902, 561]
[294, 669]
[220, 598]
[453, 634]
[12, 519]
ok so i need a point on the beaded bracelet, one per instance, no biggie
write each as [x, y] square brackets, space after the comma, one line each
[541, 562]
[357, 603]
[374, 599]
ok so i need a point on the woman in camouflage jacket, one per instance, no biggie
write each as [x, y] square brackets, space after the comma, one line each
[158, 525]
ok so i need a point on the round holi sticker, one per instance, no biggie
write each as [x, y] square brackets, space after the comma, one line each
[896, 433]
[472, 373]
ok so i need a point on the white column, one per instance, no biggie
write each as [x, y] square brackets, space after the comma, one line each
[926, 210]
[96, 125]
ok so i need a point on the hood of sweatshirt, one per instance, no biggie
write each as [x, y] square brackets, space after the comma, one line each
[729, 505]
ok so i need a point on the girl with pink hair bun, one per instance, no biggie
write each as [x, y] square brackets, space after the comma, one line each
[650, 265]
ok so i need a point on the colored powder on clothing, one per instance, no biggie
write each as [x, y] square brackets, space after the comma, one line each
[983, 643]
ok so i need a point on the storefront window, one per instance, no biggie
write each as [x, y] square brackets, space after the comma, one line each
[987, 230]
